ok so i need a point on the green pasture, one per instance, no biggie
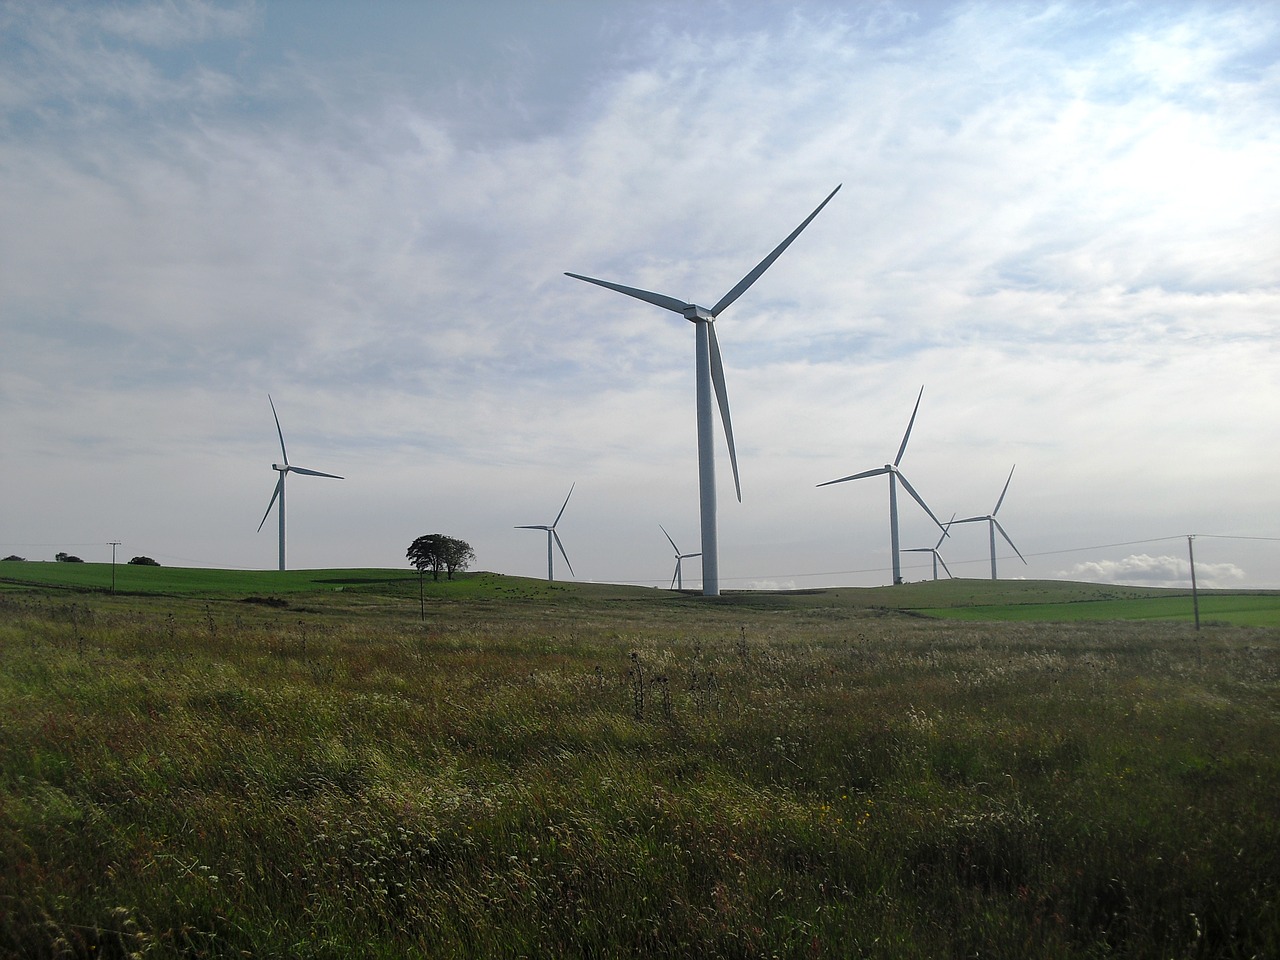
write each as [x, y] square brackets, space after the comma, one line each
[995, 600]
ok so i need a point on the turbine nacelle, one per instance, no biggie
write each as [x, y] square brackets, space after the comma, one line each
[695, 314]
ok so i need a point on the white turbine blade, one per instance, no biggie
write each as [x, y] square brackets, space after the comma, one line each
[314, 473]
[717, 380]
[675, 575]
[920, 500]
[686, 556]
[562, 553]
[534, 527]
[767, 262]
[279, 484]
[858, 476]
[944, 564]
[907, 436]
[669, 540]
[1004, 491]
[1007, 540]
[969, 520]
[278, 430]
[658, 299]
[946, 532]
[563, 505]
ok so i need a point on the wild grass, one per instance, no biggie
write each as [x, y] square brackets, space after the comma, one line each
[589, 774]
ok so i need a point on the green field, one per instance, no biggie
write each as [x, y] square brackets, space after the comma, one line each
[1047, 600]
[229, 764]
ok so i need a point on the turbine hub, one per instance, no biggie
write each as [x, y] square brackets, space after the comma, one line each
[280, 468]
[694, 313]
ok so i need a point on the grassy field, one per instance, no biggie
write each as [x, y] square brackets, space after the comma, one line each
[256, 767]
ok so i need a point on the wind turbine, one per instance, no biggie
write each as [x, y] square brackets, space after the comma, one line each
[677, 580]
[937, 557]
[552, 535]
[284, 469]
[993, 525]
[709, 371]
[894, 476]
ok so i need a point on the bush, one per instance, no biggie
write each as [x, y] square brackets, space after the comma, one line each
[144, 562]
[14, 556]
[67, 558]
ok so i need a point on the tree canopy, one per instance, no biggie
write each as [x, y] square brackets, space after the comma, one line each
[144, 562]
[436, 552]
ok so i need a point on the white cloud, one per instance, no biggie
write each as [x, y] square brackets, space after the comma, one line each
[1164, 570]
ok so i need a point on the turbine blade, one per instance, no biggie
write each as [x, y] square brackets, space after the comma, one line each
[717, 380]
[315, 473]
[858, 476]
[674, 575]
[920, 500]
[279, 484]
[686, 556]
[534, 527]
[278, 430]
[658, 299]
[907, 436]
[944, 564]
[562, 553]
[1007, 540]
[767, 262]
[969, 520]
[669, 540]
[1004, 491]
[946, 532]
[565, 504]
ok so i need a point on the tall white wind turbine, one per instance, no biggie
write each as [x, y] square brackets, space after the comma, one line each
[284, 469]
[709, 371]
[894, 474]
[677, 580]
[552, 535]
[993, 525]
[937, 557]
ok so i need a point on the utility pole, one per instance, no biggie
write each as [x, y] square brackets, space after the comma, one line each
[114, 544]
[1195, 596]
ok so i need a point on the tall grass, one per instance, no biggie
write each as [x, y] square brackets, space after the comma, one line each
[529, 778]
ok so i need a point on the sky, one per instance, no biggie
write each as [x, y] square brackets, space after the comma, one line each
[1062, 220]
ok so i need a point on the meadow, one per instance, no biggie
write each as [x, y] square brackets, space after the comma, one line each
[310, 764]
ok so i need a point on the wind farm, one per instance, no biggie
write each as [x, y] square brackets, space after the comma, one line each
[835, 740]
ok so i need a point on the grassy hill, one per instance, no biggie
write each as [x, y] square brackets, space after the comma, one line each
[1043, 600]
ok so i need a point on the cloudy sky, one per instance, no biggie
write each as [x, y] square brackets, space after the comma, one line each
[1061, 219]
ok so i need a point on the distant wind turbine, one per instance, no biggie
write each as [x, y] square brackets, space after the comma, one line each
[552, 535]
[284, 469]
[937, 557]
[710, 372]
[993, 525]
[894, 476]
[677, 580]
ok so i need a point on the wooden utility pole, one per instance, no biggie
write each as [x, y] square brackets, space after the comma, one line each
[1195, 596]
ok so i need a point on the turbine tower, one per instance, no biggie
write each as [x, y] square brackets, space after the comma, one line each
[709, 374]
[937, 557]
[677, 580]
[552, 535]
[894, 476]
[993, 525]
[284, 469]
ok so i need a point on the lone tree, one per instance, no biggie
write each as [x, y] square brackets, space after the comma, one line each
[436, 552]
[144, 562]
[66, 558]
